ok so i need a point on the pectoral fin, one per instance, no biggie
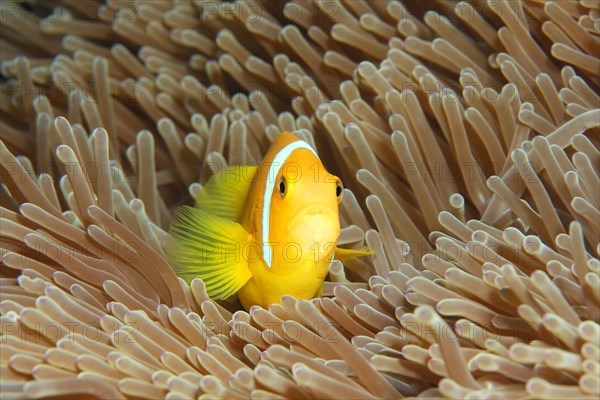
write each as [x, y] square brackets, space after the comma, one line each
[346, 254]
[205, 246]
[226, 192]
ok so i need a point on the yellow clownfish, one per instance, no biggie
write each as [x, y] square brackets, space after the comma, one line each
[262, 232]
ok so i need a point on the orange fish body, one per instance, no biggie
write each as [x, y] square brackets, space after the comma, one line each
[262, 232]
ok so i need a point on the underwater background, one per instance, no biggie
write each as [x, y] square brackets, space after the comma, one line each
[466, 135]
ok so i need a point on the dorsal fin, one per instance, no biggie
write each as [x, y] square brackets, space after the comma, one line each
[226, 192]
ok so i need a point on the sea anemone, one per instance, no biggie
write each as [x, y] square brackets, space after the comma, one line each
[466, 134]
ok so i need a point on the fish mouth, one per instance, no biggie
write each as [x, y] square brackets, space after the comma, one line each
[320, 210]
[313, 215]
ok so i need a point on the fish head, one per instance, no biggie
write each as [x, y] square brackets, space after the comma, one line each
[304, 215]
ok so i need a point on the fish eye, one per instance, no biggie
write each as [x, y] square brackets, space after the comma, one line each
[339, 190]
[282, 186]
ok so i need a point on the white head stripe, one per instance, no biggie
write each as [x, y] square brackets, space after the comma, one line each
[274, 169]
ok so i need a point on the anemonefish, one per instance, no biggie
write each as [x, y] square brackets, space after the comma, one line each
[263, 231]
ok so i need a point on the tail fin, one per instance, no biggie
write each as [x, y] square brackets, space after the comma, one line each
[212, 248]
